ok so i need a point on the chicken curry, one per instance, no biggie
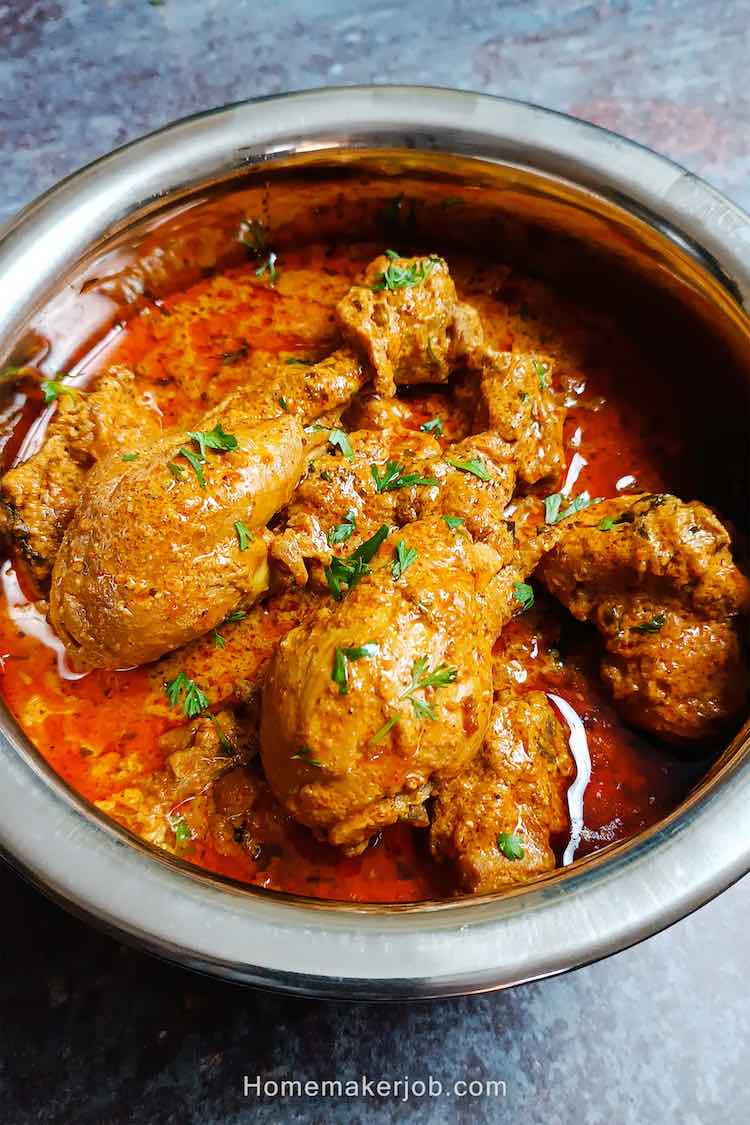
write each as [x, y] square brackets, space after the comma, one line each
[358, 572]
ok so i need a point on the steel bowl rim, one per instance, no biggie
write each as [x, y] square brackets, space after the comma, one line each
[293, 946]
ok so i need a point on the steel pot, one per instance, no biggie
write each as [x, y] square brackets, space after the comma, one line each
[687, 238]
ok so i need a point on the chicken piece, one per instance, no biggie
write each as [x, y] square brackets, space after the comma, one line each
[407, 321]
[229, 663]
[204, 749]
[657, 579]
[155, 555]
[518, 402]
[392, 477]
[374, 700]
[308, 391]
[338, 506]
[175, 804]
[38, 496]
[476, 478]
[493, 822]
[236, 796]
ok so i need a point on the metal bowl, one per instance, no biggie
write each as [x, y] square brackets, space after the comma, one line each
[683, 238]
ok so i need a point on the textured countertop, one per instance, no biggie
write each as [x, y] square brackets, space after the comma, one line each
[95, 1033]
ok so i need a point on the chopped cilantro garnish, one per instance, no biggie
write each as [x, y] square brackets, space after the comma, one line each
[350, 571]
[341, 658]
[197, 463]
[454, 521]
[524, 595]
[253, 235]
[343, 531]
[244, 534]
[652, 626]
[218, 640]
[608, 522]
[434, 426]
[53, 388]
[405, 556]
[394, 477]
[474, 465]
[510, 846]
[340, 440]
[181, 829]
[366, 551]
[268, 267]
[294, 360]
[421, 677]
[216, 439]
[552, 506]
[404, 277]
[235, 615]
[385, 730]
[541, 374]
[130, 456]
[304, 754]
[194, 701]
[283, 404]
[177, 472]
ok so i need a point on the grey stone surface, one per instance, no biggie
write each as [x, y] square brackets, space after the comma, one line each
[94, 1033]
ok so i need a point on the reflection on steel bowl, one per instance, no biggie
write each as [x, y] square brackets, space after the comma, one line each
[375, 595]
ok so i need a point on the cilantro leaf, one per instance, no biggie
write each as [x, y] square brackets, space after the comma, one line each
[541, 375]
[53, 388]
[351, 570]
[554, 513]
[524, 595]
[343, 531]
[421, 677]
[304, 754]
[130, 457]
[393, 477]
[510, 846]
[366, 551]
[404, 277]
[212, 439]
[454, 521]
[235, 615]
[244, 534]
[606, 523]
[197, 463]
[268, 267]
[253, 235]
[653, 626]
[194, 701]
[474, 465]
[385, 730]
[339, 439]
[181, 829]
[405, 556]
[341, 657]
[434, 426]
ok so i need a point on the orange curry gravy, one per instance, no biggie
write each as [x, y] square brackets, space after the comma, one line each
[101, 733]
